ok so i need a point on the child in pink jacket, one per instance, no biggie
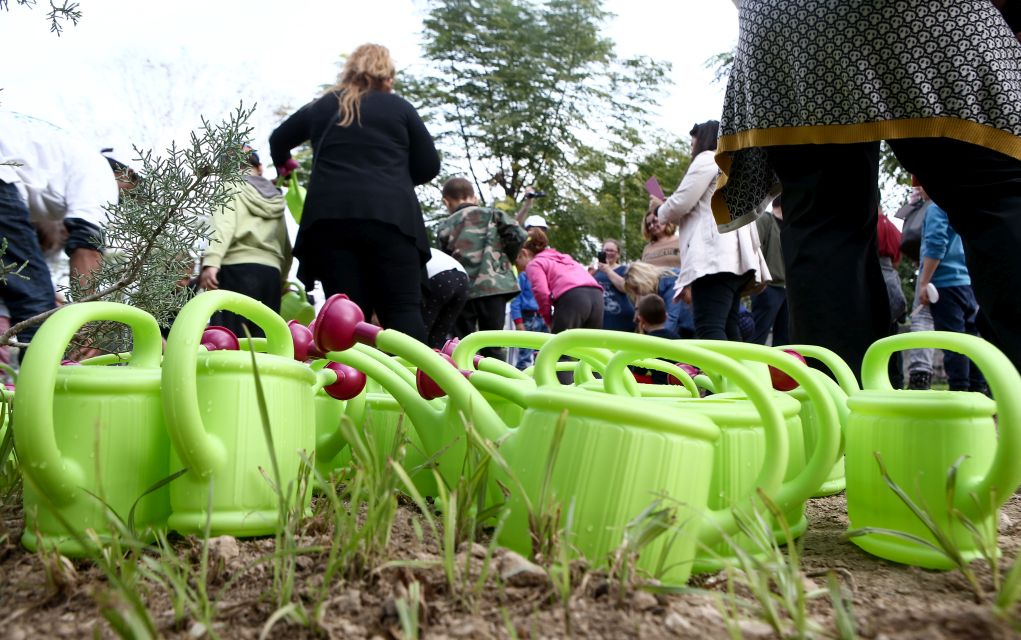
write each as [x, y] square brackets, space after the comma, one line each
[568, 297]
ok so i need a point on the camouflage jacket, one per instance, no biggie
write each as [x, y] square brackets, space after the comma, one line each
[486, 242]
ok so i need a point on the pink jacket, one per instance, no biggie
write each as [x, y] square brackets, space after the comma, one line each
[552, 274]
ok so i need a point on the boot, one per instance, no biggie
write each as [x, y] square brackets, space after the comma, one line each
[919, 380]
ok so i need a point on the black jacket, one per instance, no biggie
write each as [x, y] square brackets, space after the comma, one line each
[365, 171]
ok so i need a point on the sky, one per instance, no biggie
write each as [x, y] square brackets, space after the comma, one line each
[141, 72]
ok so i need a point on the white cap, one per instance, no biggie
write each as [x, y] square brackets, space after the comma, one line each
[536, 221]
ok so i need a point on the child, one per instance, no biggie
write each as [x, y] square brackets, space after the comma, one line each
[650, 315]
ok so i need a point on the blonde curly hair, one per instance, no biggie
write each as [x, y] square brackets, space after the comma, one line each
[643, 278]
[368, 67]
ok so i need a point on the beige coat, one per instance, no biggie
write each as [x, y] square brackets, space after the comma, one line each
[704, 250]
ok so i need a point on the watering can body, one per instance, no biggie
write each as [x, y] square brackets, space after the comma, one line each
[213, 416]
[89, 438]
[614, 460]
[739, 454]
[920, 436]
[741, 451]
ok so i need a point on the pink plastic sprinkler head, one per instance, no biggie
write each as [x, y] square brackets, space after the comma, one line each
[450, 345]
[350, 381]
[427, 387]
[304, 346]
[692, 371]
[340, 324]
[782, 381]
[216, 338]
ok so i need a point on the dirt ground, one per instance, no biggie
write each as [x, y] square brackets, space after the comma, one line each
[889, 601]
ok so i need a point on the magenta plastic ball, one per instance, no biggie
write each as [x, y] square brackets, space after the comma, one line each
[337, 323]
[350, 382]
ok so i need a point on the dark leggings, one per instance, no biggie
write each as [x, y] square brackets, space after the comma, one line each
[715, 301]
[376, 265]
[445, 295]
[255, 281]
[578, 308]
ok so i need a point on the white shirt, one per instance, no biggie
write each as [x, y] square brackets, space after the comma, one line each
[440, 262]
[704, 250]
[58, 174]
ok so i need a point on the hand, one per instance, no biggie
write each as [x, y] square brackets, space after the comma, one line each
[923, 293]
[288, 167]
[654, 203]
[529, 189]
[684, 295]
[208, 279]
[519, 326]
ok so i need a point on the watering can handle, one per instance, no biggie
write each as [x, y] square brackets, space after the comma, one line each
[841, 372]
[201, 452]
[469, 345]
[55, 476]
[777, 447]
[814, 473]
[1004, 473]
[617, 374]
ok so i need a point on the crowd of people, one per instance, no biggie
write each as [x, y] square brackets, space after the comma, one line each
[818, 265]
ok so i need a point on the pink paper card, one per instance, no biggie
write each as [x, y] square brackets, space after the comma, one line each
[652, 186]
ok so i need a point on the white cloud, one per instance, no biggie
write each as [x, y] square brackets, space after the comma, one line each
[207, 55]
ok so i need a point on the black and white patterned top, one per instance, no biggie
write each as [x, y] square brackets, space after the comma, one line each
[843, 71]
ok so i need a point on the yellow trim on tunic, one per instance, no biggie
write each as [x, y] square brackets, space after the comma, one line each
[954, 128]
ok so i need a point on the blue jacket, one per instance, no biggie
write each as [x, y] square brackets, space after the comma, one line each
[678, 314]
[941, 242]
[524, 301]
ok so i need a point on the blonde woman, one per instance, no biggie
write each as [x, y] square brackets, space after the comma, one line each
[662, 248]
[643, 279]
[362, 232]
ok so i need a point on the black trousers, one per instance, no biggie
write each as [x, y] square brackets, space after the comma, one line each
[255, 281]
[486, 313]
[715, 302]
[375, 265]
[442, 301]
[835, 289]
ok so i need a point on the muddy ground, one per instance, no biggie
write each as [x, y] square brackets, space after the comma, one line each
[889, 600]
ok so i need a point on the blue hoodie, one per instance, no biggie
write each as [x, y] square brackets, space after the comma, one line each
[941, 242]
[524, 301]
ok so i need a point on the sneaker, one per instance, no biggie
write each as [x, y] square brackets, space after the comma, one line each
[920, 380]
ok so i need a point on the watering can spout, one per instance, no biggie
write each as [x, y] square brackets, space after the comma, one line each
[341, 324]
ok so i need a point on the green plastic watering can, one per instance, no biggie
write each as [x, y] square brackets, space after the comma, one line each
[294, 304]
[598, 539]
[90, 430]
[616, 464]
[846, 385]
[920, 435]
[622, 452]
[741, 451]
[215, 426]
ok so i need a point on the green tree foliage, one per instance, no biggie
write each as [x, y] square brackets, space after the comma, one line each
[618, 207]
[521, 92]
